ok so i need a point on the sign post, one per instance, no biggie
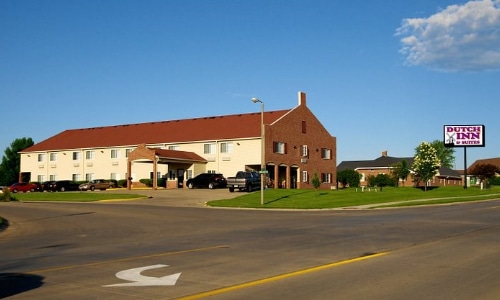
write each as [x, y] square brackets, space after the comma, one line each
[464, 136]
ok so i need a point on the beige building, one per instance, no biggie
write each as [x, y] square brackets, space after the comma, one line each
[297, 146]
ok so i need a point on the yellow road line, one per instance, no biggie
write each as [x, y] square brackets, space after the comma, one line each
[279, 277]
[126, 259]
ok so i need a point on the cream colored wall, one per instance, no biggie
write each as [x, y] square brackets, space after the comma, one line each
[102, 165]
[246, 153]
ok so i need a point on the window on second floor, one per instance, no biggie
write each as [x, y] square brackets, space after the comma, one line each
[226, 147]
[115, 153]
[209, 148]
[127, 151]
[304, 151]
[76, 155]
[89, 154]
[326, 153]
[279, 147]
[41, 157]
[174, 147]
[53, 156]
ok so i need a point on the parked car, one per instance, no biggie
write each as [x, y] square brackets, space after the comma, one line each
[207, 180]
[63, 185]
[44, 186]
[99, 184]
[244, 181]
[22, 187]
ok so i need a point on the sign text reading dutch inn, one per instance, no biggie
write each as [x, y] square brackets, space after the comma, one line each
[464, 135]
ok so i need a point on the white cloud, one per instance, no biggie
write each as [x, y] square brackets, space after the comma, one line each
[462, 37]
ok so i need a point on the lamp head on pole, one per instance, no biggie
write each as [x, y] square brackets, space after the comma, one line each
[255, 100]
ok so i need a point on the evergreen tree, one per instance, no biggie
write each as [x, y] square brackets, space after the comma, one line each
[11, 161]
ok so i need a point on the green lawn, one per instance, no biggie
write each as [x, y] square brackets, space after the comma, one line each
[312, 199]
[73, 196]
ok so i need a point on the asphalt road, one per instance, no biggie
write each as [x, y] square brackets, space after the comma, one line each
[170, 246]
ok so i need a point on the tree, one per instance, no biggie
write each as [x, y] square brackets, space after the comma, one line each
[426, 163]
[446, 155]
[11, 161]
[348, 177]
[315, 181]
[401, 171]
[484, 171]
[380, 180]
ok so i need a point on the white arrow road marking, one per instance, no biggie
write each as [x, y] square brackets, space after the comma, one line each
[137, 279]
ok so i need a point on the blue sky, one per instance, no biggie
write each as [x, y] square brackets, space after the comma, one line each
[380, 75]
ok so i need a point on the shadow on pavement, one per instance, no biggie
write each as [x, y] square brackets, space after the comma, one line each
[16, 283]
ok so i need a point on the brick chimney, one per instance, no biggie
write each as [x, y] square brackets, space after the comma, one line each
[302, 98]
[384, 153]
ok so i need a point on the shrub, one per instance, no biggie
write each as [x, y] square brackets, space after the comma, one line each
[6, 196]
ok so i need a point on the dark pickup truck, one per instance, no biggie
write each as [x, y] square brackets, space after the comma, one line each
[246, 181]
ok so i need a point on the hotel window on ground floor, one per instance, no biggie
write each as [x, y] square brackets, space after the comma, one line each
[89, 176]
[41, 178]
[75, 177]
[305, 177]
[326, 177]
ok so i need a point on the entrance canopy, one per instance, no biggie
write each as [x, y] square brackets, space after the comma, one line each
[160, 156]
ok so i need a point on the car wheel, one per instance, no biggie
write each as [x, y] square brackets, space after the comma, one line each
[14, 191]
[32, 190]
[231, 189]
[62, 189]
[190, 185]
[92, 188]
[211, 185]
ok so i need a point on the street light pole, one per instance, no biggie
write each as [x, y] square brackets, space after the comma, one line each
[262, 149]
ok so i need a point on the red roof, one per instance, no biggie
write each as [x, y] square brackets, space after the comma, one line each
[176, 131]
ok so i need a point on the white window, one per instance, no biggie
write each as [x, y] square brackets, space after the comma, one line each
[114, 176]
[326, 177]
[305, 177]
[52, 177]
[76, 155]
[226, 147]
[127, 152]
[41, 178]
[209, 148]
[75, 177]
[189, 174]
[326, 153]
[53, 156]
[304, 151]
[174, 147]
[89, 176]
[89, 154]
[115, 153]
[41, 157]
[279, 147]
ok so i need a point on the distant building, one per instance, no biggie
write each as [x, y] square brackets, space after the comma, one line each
[384, 163]
[297, 146]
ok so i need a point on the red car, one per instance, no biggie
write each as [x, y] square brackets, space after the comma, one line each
[22, 187]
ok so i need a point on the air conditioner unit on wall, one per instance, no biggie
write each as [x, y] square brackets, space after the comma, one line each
[303, 160]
